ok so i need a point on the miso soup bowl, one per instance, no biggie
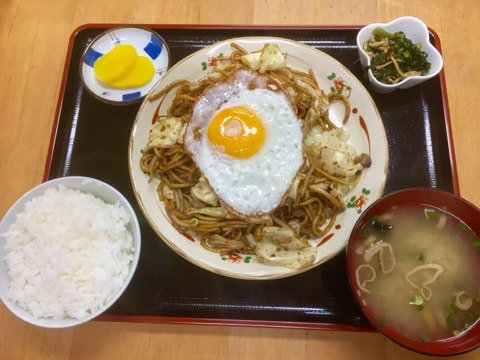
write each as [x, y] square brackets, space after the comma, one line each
[451, 204]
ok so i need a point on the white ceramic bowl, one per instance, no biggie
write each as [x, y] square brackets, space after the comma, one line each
[88, 185]
[147, 43]
[416, 31]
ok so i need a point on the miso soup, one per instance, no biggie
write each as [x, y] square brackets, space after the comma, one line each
[418, 271]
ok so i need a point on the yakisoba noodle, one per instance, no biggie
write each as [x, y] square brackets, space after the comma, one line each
[310, 213]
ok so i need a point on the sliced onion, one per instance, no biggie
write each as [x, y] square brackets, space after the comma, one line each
[362, 285]
[464, 304]
[385, 251]
[424, 289]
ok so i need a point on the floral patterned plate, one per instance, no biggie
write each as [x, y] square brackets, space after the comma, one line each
[367, 135]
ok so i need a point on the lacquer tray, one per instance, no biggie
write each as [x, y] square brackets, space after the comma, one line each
[91, 138]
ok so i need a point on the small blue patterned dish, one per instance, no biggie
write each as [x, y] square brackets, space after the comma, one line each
[146, 42]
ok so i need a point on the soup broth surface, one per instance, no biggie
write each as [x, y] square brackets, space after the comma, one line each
[418, 271]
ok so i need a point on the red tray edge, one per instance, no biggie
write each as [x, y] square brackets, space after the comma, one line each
[234, 322]
[446, 110]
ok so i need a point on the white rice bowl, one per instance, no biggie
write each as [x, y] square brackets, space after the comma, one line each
[68, 250]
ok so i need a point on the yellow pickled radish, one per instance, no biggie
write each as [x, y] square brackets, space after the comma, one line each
[141, 74]
[116, 63]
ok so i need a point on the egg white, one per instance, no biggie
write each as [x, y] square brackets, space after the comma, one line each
[258, 184]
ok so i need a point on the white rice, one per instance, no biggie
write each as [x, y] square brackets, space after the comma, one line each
[67, 254]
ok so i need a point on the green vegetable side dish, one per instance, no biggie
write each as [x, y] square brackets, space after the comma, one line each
[394, 57]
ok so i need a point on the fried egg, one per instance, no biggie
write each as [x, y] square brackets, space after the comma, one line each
[246, 140]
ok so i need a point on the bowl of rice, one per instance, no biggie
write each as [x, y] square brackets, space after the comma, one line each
[68, 250]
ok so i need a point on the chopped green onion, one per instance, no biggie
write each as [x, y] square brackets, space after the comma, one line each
[407, 336]
[456, 332]
[476, 242]
[451, 324]
[472, 317]
[417, 301]
[430, 213]
[364, 233]
[453, 308]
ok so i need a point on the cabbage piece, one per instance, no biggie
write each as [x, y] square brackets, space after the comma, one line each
[293, 190]
[322, 104]
[295, 225]
[264, 219]
[281, 246]
[319, 107]
[203, 192]
[251, 60]
[336, 139]
[222, 213]
[337, 157]
[180, 135]
[167, 192]
[216, 212]
[270, 58]
[222, 244]
[251, 240]
[334, 195]
[166, 133]
[338, 164]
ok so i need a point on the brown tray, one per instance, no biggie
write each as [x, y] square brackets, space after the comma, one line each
[90, 138]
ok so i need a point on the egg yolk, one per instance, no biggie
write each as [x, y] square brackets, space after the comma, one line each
[237, 131]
